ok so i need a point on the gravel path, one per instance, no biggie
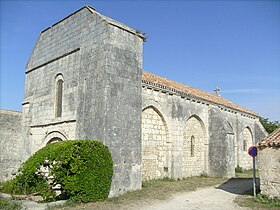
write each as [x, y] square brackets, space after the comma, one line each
[211, 198]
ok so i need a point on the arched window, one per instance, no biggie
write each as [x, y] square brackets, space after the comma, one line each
[53, 140]
[58, 95]
[192, 146]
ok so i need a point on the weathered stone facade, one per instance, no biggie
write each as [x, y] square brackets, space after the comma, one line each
[155, 145]
[10, 143]
[99, 63]
[269, 165]
[217, 135]
[83, 81]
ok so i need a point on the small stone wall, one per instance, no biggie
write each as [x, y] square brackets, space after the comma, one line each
[11, 147]
[269, 166]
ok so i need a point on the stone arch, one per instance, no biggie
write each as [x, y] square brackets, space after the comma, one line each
[53, 140]
[193, 148]
[247, 141]
[53, 136]
[160, 109]
[155, 152]
[247, 138]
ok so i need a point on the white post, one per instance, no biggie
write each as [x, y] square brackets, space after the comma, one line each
[254, 176]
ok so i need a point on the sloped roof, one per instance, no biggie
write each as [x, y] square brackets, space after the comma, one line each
[272, 140]
[148, 77]
[105, 18]
[93, 11]
[115, 23]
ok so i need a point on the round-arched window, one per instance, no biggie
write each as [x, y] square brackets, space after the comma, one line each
[53, 140]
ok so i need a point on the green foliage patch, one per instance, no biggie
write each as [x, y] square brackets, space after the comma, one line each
[269, 126]
[274, 202]
[83, 169]
[239, 169]
[8, 204]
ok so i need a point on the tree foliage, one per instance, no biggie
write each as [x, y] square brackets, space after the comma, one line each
[269, 126]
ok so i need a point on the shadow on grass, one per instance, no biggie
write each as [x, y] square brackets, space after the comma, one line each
[239, 186]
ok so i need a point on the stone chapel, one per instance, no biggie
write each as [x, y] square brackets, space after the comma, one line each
[84, 80]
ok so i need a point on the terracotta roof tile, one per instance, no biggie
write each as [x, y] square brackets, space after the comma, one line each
[272, 140]
[148, 77]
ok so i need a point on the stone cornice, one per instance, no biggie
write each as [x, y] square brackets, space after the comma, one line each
[171, 91]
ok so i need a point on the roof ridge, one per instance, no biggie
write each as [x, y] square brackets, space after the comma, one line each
[150, 77]
[108, 19]
[115, 22]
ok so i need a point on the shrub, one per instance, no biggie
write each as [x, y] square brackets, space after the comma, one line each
[239, 169]
[82, 168]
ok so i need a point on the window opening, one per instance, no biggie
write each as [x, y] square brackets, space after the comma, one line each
[192, 146]
[59, 92]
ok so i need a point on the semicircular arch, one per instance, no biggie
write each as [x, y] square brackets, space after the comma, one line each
[54, 136]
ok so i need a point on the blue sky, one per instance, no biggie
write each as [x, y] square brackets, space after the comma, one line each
[231, 44]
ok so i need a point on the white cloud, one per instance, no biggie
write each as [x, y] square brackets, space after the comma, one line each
[244, 90]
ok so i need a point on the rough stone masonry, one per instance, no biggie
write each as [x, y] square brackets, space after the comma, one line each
[84, 80]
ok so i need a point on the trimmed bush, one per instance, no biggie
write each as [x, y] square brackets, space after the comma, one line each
[82, 168]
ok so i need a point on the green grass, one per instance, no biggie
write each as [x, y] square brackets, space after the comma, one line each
[8, 205]
[259, 203]
[246, 173]
[273, 202]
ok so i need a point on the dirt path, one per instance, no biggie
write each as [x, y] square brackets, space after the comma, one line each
[211, 198]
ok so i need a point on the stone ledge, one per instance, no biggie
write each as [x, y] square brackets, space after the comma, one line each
[10, 112]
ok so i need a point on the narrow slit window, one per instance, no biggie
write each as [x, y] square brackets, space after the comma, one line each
[192, 146]
[59, 91]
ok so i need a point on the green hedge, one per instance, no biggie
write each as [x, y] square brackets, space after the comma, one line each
[83, 168]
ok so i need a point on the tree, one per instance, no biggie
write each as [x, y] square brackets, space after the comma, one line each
[269, 126]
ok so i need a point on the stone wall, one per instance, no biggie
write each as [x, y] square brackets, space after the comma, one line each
[218, 135]
[269, 166]
[155, 145]
[11, 147]
[100, 64]
[221, 145]
[193, 148]
[109, 106]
